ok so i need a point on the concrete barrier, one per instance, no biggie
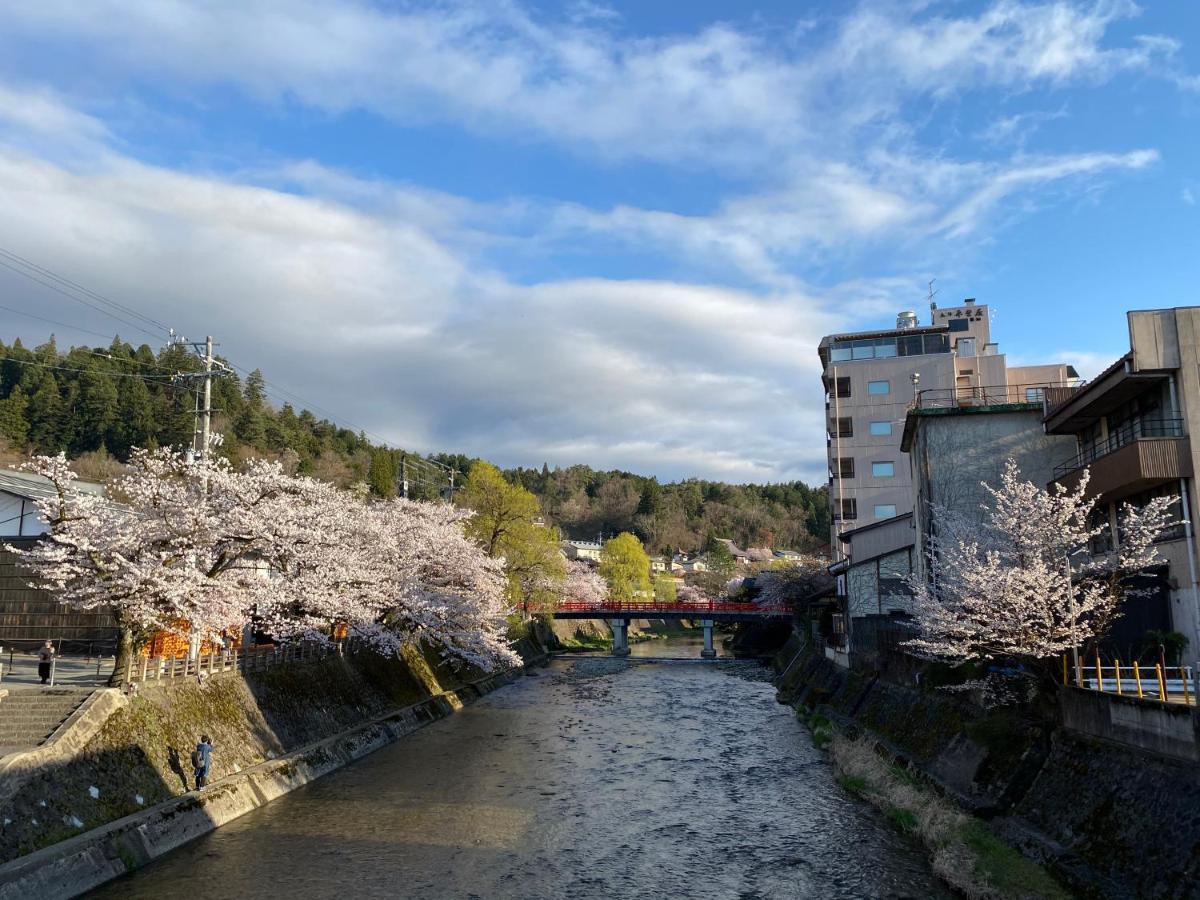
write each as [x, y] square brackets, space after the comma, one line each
[82, 863]
[1168, 729]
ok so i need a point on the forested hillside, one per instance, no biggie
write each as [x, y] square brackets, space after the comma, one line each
[97, 403]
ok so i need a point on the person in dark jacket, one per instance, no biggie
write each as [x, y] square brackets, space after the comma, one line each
[45, 658]
[202, 760]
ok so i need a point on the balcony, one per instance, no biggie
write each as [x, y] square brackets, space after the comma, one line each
[1140, 455]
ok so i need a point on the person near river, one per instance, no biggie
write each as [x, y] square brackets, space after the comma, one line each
[202, 760]
[45, 658]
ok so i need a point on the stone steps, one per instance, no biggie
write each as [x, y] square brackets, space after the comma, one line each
[29, 717]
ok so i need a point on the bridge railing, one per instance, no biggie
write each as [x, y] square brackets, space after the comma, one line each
[647, 608]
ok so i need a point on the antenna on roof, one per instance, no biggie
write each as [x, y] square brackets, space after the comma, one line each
[932, 303]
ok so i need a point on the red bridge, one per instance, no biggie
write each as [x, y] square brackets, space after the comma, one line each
[618, 615]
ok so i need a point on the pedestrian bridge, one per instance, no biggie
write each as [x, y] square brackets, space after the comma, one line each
[618, 616]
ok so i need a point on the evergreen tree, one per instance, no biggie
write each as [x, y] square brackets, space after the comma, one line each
[13, 423]
[382, 474]
[97, 409]
[46, 417]
[134, 425]
[255, 391]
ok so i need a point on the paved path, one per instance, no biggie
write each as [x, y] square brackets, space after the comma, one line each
[20, 671]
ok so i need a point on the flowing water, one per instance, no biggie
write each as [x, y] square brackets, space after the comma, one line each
[599, 778]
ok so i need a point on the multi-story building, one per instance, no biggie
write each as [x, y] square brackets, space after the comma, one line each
[871, 378]
[1132, 425]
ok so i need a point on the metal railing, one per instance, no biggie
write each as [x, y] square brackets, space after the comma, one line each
[1123, 436]
[149, 669]
[1166, 684]
[985, 395]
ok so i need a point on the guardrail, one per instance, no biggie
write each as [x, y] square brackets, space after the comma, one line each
[985, 395]
[650, 606]
[1166, 684]
[252, 659]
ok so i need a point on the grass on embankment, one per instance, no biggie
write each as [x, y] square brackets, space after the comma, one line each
[962, 851]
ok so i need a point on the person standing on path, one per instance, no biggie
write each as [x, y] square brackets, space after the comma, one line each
[45, 658]
[201, 759]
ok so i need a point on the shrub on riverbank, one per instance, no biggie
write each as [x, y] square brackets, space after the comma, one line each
[963, 852]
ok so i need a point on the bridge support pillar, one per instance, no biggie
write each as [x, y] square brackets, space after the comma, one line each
[708, 652]
[620, 630]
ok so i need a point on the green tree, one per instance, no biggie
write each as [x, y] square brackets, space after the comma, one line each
[651, 500]
[255, 390]
[13, 422]
[45, 417]
[720, 560]
[507, 524]
[134, 425]
[381, 476]
[625, 566]
[97, 409]
[664, 588]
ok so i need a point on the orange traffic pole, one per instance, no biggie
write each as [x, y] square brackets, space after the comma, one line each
[1137, 677]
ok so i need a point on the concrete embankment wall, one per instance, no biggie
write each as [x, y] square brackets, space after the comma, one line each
[72, 823]
[1112, 820]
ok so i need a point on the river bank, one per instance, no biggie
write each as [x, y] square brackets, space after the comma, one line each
[599, 778]
[1105, 820]
[123, 799]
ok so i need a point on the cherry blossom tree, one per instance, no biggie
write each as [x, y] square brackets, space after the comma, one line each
[583, 584]
[1023, 582]
[194, 541]
[793, 583]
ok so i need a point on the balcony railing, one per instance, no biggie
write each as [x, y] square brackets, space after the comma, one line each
[1122, 436]
[990, 395]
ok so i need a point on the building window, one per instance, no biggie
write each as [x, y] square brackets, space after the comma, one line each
[843, 426]
[848, 509]
[881, 428]
[883, 469]
[843, 467]
[885, 511]
[841, 387]
[959, 324]
[1034, 395]
[879, 387]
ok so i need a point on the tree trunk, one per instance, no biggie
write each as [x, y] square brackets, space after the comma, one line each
[125, 652]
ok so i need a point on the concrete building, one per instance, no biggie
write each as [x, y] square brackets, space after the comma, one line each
[1131, 426]
[952, 449]
[872, 377]
[589, 551]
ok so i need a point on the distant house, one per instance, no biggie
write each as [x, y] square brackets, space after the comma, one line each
[694, 565]
[19, 493]
[589, 551]
[740, 556]
[30, 615]
[659, 564]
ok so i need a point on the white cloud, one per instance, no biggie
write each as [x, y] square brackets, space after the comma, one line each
[716, 95]
[1188, 196]
[371, 316]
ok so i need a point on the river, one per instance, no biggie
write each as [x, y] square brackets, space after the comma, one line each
[598, 778]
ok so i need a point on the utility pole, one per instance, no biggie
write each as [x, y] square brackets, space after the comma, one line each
[206, 428]
[404, 475]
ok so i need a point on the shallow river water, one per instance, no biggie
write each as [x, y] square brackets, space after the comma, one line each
[598, 778]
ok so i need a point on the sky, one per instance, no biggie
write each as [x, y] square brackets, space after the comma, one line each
[590, 233]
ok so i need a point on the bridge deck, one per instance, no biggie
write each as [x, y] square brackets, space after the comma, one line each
[649, 609]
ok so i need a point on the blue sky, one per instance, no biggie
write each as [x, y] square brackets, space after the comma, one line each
[598, 233]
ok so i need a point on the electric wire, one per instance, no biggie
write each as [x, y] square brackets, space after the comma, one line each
[74, 285]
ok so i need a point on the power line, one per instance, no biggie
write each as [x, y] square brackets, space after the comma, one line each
[20, 312]
[71, 296]
[95, 295]
[29, 362]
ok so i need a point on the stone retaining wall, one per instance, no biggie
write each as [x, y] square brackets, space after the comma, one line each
[81, 863]
[1111, 819]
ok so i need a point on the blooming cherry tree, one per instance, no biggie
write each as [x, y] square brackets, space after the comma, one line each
[197, 542]
[1023, 583]
[584, 584]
